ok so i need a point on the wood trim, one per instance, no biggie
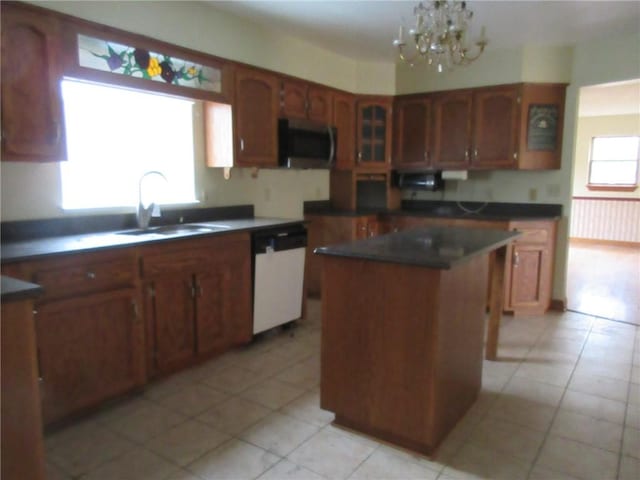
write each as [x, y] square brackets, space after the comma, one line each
[598, 241]
[612, 188]
[558, 305]
[618, 199]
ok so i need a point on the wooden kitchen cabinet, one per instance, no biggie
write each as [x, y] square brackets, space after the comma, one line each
[529, 275]
[452, 117]
[90, 349]
[256, 118]
[529, 263]
[344, 119]
[198, 299]
[495, 127]
[325, 230]
[412, 133]
[374, 132]
[32, 118]
[301, 100]
[516, 126]
[89, 329]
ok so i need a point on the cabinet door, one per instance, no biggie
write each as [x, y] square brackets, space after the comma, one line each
[293, 100]
[412, 127]
[223, 315]
[173, 323]
[495, 131]
[90, 349]
[452, 130]
[344, 119]
[319, 105]
[374, 133]
[526, 279]
[32, 126]
[256, 111]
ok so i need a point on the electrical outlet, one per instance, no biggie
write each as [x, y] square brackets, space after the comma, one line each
[533, 194]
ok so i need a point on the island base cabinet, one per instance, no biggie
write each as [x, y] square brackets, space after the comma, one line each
[401, 356]
[89, 349]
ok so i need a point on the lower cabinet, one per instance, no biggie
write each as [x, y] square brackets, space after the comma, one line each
[89, 349]
[529, 265]
[329, 230]
[198, 300]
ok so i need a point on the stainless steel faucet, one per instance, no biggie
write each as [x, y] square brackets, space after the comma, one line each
[143, 215]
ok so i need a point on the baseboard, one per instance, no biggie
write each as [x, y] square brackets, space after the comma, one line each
[598, 241]
[558, 305]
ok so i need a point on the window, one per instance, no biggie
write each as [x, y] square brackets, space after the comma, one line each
[614, 163]
[114, 136]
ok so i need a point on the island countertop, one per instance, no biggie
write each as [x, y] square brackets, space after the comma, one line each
[432, 247]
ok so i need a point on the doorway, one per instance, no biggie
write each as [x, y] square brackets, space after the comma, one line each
[604, 245]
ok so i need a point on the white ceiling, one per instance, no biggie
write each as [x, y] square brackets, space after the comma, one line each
[364, 30]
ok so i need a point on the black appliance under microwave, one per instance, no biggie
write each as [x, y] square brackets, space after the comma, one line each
[305, 144]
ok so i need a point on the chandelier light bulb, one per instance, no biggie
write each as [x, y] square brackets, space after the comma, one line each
[440, 35]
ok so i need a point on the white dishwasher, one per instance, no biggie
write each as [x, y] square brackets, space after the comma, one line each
[278, 276]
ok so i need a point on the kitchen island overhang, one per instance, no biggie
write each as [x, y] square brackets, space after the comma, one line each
[402, 330]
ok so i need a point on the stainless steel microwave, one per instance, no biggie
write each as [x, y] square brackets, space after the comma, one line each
[305, 144]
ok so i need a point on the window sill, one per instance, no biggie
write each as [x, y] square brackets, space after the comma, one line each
[612, 188]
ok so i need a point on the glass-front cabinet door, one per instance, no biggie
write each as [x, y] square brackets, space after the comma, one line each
[374, 133]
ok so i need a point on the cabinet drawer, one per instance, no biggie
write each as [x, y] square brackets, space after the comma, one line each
[87, 277]
[178, 260]
[532, 232]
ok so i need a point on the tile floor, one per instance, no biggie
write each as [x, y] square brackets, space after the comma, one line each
[562, 403]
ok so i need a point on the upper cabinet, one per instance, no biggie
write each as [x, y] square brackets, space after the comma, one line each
[452, 115]
[495, 127]
[412, 133]
[32, 124]
[344, 119]
[300, 100]
[515, 126]
[374, 132]
[256, 118]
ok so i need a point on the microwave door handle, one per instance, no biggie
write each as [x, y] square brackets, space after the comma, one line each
[332, 152]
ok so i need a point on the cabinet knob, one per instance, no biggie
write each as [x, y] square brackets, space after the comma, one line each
[91, 275]
[475, 153]
[515, 155]
[466, 154]
[242, 144]
[516, 259]
[359, 156]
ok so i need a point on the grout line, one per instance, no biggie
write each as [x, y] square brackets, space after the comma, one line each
[555, 413]
[600, 317]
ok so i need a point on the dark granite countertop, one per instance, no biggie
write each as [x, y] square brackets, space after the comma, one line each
[432, 247]
[447, 209]
[13, 289]
[47, 246]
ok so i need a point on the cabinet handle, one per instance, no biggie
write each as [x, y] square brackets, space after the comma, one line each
[58, 133]
[242, 144]
[475, 153]
[134, 307]
[466, 154]
[91, 275]
[515, 155]
[359, 156]
[516, 259]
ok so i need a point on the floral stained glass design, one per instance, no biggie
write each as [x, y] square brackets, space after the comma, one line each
[136, 62]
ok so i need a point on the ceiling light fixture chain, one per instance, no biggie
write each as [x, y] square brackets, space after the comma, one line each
[440, 35]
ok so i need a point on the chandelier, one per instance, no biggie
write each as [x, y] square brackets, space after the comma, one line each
[440, 35]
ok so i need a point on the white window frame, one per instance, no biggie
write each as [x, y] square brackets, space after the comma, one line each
[170, 150]
[631, 185]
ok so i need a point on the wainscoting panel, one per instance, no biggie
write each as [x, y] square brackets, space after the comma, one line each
[607, 219]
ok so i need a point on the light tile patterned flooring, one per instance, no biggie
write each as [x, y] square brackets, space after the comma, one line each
[563, 402]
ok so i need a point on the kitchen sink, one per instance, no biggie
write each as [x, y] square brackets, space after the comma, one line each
[175, 229]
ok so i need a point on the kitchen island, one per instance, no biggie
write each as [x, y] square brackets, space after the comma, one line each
[402, 330]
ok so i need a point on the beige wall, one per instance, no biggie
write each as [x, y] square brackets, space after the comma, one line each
[589, 127]
[33, 191]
